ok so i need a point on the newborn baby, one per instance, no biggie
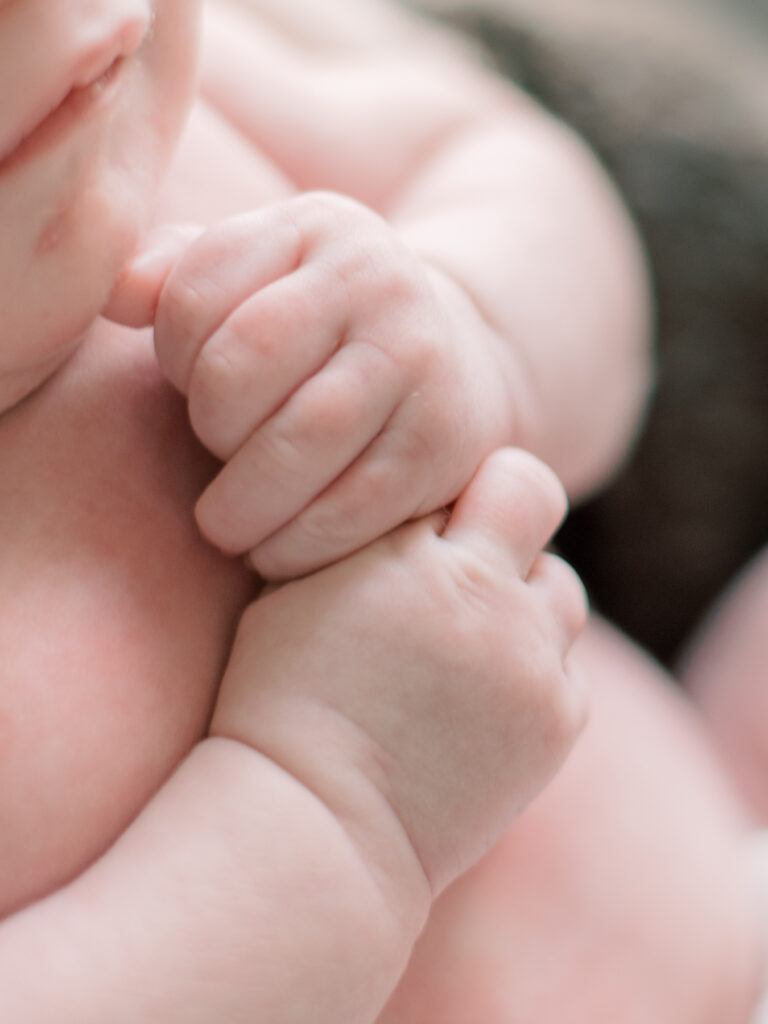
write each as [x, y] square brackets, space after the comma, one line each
[438, 184]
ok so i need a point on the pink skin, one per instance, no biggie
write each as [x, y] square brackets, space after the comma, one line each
[290, 860]
[59, 257]
[115, 617]
[58, 262]
[622, 894]
[726, 671]
[328, 366]
[87, 512]
[484, 622]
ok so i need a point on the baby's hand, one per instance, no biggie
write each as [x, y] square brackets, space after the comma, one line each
[420, 687]
[323, 365]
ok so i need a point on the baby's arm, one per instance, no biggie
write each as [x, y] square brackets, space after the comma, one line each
[235, 896]
[379, 724]
[470, 280]
[530, 247]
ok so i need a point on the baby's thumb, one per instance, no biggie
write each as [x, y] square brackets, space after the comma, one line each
[136, 292]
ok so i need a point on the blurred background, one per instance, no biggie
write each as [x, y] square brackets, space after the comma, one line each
[673, 96]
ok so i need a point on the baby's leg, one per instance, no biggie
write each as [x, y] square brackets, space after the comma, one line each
[620, 895]
[726, 671]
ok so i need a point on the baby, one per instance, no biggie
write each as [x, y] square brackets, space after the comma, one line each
[352, 354]
[373, 821]
[286, 868]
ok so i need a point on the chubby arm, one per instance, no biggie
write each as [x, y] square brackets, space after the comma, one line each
[379, 725]
[236, 895]
[524, 235]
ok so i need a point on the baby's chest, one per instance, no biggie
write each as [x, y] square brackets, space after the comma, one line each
[115, 617]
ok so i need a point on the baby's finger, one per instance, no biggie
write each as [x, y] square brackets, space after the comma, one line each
[563, 592]
[229, 263]
[513, 504]
[263, 352]
[301, 450]
[133, 300]
[385, 487]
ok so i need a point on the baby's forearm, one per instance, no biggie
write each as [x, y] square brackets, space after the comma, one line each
[235, 896]
[519, 216]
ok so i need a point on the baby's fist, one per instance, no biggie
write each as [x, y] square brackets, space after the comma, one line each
[423, 681]
[323, 365]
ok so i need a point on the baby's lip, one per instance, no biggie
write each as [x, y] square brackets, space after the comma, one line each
[90, 66]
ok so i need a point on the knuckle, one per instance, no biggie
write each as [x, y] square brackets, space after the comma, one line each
[407, 449]
[392, 482]
[568, 713]
[572, 597]
[521, 472]
[213, 518]
[421, 355]
[184, 297]
[547, 483]
[302, 546]
[362, 241]
[185, 304]
[212, 387]
[561, 704]
[279, 446]
[321, 213]
[268, 563]
[474, 583]
[321, 421]
[340, 519]
[406, 283]
[329, 524]
[532, 679]
[564, 590]
[333, 411]
[418, 339]
[289, 311]
[409, 548]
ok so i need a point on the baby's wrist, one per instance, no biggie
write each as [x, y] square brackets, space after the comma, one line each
[327, 759]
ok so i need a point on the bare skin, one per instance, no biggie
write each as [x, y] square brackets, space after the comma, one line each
[333, 344]
[97, 515]
[217, 172]
[335, 795]
[665, 927]
[725, 671]
[102, 473]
